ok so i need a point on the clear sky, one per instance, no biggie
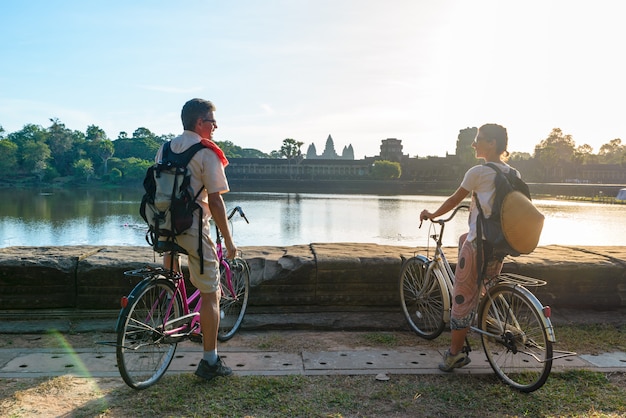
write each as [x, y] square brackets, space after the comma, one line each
[359, 70]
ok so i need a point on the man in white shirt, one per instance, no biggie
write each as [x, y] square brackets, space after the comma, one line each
[207, 173]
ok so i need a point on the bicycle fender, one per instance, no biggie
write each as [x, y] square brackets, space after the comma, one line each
[447, 297]
[420, 257]
[547, 324]
[137, 290]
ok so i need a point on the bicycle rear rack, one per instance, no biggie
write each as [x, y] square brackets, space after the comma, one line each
[148, 271]
[519, 279]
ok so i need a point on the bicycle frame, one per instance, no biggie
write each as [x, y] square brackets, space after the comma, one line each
[169, 329]
[196, 294]
[440, 267]
[221, 256]
[225, 269]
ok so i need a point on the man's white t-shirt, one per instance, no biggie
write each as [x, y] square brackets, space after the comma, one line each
[481, 179]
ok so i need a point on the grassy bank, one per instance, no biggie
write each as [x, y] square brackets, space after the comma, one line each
[595, 199]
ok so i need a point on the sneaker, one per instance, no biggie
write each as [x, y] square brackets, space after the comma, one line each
[209, 372]
[451, 362]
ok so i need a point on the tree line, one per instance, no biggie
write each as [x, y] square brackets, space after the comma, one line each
[554, 158]
[57, 153]
[557, 148]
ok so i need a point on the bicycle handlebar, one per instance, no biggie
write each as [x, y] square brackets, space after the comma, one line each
[240, 211]
[452, 215]
[236, 209]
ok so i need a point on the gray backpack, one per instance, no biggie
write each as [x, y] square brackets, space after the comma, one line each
[169, 201]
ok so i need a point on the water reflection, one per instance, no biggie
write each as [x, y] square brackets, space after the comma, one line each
[110, 217]
[290, 216]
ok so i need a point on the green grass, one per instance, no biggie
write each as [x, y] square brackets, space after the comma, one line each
[592, 338]
[575, 393]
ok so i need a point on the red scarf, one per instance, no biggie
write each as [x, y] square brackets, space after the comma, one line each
[217, 150]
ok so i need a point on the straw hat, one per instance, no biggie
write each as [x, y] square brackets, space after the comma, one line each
[521, 222]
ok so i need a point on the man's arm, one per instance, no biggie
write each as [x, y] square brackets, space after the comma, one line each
[218, 212]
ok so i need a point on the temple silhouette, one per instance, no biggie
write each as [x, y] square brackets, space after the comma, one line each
[329, 151]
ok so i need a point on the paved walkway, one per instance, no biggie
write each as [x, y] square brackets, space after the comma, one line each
[99, 360]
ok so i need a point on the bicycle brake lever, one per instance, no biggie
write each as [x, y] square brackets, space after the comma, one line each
[243, 215]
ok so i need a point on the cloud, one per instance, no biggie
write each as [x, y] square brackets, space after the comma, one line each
[268, 109]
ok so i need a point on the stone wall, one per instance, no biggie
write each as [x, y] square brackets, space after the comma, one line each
[301, 278]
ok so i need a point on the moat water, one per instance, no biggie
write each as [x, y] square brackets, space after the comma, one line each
[30, 218]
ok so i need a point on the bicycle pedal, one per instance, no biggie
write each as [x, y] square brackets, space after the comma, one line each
[191, 335]
[181, 320]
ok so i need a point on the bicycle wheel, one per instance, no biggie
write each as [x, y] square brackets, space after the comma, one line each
[518, 348]
[422, 298]
[234, 300]
[143, 354]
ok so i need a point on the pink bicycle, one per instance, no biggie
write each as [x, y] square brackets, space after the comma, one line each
[157, 314]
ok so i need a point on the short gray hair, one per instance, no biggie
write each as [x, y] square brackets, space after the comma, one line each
[194, 109]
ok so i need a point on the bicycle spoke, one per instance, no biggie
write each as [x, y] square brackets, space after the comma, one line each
[142, 355]
[422, 298]
[520, 353]
[235, 284]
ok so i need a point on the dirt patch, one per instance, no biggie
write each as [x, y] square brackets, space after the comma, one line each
[54, 340]
[298, 341]
[618, 379]
[54, 397]
[285, 341]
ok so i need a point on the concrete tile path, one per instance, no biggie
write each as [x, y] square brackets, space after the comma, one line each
[100, 361]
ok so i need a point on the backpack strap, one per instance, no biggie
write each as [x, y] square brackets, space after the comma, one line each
[481, 260]
[174, 159]
[165, 154]
[514, 179]
[497, 169]
[170, 158]
[481, 265]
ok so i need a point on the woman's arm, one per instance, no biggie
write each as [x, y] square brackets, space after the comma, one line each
[450, 203]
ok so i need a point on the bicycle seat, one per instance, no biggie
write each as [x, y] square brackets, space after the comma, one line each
[169, 247]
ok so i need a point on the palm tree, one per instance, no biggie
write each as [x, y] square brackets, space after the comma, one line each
[291, 150]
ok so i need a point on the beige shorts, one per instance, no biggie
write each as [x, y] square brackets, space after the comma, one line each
[208, 282]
